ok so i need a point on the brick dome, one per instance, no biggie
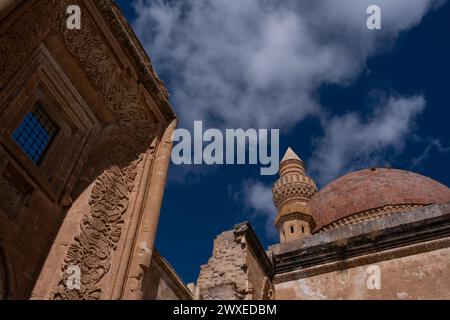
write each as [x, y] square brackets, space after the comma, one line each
[370, 193]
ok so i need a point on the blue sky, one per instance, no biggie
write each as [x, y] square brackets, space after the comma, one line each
[344, 98]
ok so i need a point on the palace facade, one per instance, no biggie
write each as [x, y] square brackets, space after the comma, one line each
[85, 144]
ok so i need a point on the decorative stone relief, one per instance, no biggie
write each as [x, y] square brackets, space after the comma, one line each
[13, 191]
[100, 228]
[23, 37]
[91, 250]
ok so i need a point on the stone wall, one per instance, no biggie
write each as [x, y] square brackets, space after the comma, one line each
[97, 191]
[35, 197]
[421, 276]
[401, 256]
[224, 277]
[3, 280]
[161, 282]
[238, 269]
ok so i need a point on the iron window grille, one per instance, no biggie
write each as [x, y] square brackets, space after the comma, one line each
[35, 134]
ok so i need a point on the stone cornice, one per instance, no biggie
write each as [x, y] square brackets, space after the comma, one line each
[369, 258]
[121, 29]
[125, 34]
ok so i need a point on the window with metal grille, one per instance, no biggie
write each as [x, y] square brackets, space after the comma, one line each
[35, 134]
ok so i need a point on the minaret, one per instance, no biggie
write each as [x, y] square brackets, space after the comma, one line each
[291, 194]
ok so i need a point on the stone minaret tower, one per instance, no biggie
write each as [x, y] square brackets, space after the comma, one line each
[291, 194]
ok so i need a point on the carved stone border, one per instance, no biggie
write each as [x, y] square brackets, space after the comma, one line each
[371, 214]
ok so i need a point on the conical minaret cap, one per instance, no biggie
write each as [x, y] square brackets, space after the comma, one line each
[291, 163]
[290, 155]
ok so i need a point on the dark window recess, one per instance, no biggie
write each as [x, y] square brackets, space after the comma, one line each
[292, 229]
[35, 134]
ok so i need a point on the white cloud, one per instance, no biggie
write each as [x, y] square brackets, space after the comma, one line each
[258, 63]
[433, 144]
[351, 143]
[257, 199]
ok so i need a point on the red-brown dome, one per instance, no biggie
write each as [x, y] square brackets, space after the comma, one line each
[374, 191]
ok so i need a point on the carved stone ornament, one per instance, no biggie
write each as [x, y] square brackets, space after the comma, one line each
[92, 249]
[13, 192]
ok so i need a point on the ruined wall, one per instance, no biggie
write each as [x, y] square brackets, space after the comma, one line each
[224, 277]
[421, 276]
[161, 282]
[238, 269]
